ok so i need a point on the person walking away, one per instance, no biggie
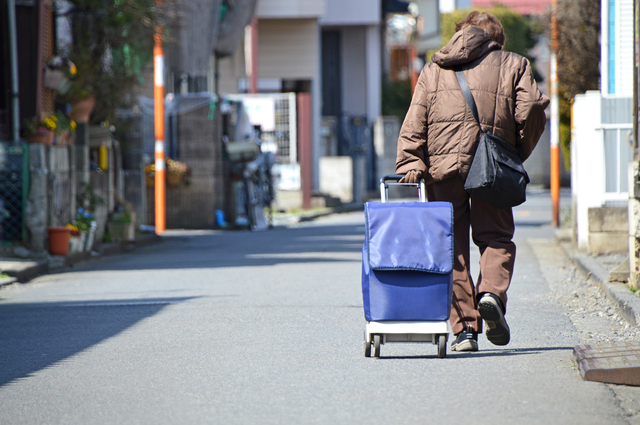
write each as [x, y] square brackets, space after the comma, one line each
[437, 142]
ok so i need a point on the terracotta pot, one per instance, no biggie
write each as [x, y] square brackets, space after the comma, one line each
[44, 137]
[59, 240]
[64, 138]
[82, 109]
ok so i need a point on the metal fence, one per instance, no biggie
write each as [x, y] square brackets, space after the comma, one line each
[14, 178]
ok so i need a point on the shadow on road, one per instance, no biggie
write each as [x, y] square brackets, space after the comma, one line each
[484, 353]
[36, 336]
[242, 249]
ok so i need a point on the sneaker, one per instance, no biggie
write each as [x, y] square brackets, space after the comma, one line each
[492, 312]
[466, 341]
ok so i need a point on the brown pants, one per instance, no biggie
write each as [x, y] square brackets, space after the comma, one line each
[492, 231]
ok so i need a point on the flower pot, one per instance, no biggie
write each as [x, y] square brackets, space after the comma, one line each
[121, 232]
[91, 235]
[56, 80]
[174, 179]
[82, 109]
[45, 137]
[64, 138]
[59, 240]
[76, 243]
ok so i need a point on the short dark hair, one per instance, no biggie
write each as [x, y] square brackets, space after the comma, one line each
[487, 22]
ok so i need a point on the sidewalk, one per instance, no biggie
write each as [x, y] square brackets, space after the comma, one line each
[601, 270]
[21, 270]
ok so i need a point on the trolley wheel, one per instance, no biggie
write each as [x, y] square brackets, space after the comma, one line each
[367, 349]
[376, 346]
[442, 346]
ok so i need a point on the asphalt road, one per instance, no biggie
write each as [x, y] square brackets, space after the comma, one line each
[248, 328]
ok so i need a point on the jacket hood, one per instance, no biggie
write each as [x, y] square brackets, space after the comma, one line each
[465, 46]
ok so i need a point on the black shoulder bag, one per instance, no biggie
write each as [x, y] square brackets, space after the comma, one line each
[497, 175]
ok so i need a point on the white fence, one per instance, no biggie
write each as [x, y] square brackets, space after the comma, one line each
[276, 113]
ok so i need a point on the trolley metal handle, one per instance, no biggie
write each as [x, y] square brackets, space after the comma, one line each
[392, 179]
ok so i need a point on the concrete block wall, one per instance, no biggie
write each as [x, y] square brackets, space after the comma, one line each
[36, 216]
[199, 147]
[336, 177]
[608, 229]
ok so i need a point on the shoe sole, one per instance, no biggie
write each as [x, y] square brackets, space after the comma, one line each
[497, 329]
[466, 345]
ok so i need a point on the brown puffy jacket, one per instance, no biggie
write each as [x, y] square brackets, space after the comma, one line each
[439, 135]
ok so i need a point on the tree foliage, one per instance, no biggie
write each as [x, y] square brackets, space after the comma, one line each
[578, 58]
[578, 46]
[112, 41]
[522, 33]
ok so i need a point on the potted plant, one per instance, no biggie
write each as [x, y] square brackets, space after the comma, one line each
[112, 43]
[122, 224]
[58, 74]
[76, 241]
[53, 127]
[65, 127]
[85, 220]
[176, 173]
[40, 130]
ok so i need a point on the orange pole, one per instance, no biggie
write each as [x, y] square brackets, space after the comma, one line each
[412, 71]
[158, 71]
[554, 135]
[555, 184]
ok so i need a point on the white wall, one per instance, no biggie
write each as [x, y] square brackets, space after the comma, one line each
[288, 48]
[587, 162]
[352, 12]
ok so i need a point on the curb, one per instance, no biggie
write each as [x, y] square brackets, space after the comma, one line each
[628, 303]
[7, 281]
[23, 271]
[331, 210]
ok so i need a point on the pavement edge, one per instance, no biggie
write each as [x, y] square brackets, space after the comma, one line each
[628, 303]
[23, 271]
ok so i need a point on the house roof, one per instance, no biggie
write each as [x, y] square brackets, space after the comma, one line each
[524, 7]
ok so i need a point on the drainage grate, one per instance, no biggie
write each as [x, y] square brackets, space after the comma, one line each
[615, 363]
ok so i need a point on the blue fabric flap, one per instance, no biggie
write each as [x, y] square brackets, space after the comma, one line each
[410, 236]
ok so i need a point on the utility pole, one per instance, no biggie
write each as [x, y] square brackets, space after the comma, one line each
[555, 118]
[160, 189]
[253, 78]
[15, 95]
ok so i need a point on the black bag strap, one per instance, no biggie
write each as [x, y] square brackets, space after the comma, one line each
[462, 80]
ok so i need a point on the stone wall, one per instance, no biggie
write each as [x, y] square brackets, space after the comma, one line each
[608, 229]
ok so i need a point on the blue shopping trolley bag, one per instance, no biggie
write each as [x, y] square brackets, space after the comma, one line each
[407, 261]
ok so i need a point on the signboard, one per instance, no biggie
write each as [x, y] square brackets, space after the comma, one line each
[261, 111]
[287, 176]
